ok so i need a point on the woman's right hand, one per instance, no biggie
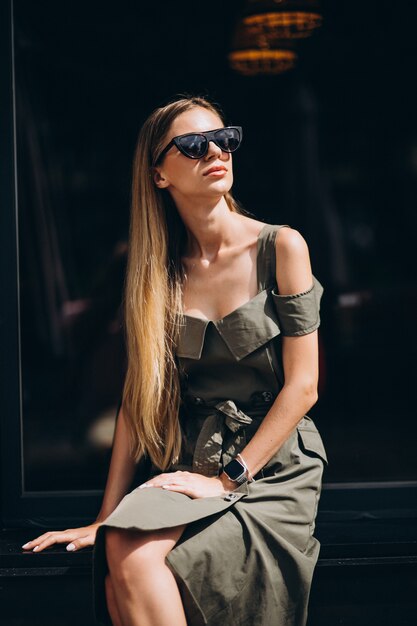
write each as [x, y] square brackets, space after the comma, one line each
[77, 538]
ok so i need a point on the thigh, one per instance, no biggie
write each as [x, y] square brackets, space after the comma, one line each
[153, 544]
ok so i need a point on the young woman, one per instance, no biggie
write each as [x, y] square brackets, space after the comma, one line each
[221, 314]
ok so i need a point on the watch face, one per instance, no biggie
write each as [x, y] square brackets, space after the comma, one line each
[234, 469]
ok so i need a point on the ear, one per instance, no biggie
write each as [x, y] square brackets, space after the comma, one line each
[159, 180]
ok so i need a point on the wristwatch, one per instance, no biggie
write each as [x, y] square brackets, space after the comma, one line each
[236, 471]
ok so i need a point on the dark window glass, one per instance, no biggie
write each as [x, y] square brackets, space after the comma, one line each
[73, 193]
[329, 149]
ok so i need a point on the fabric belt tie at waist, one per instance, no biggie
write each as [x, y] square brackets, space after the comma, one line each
[223, 417]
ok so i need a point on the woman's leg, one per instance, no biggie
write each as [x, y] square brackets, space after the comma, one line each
[111, 602]
[144, 588]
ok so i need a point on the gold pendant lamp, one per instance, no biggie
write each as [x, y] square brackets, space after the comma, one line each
[265, 38]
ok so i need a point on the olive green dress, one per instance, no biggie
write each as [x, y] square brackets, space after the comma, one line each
[246, 558]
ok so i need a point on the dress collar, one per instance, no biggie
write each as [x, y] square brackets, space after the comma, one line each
[243, 330]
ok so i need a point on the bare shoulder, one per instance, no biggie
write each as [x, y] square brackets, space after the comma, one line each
[290, 241]
[293, 268]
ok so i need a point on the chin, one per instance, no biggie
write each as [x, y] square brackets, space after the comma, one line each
[223, 185]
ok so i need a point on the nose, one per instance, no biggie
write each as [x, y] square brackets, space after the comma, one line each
[213, 150]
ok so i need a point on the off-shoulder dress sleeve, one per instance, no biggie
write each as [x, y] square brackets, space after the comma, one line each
[299, 313]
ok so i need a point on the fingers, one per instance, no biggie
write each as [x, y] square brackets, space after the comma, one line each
[185, 489]
[189, 483]
[31, 544]
[81, 542]
[178, 477]
[76, 539]
[48, 539]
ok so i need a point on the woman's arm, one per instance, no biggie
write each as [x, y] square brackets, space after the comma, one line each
[297, 396]
[120, 476]
[300, 360]
[121, 471]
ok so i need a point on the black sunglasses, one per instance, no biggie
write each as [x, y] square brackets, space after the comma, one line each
[195, 145]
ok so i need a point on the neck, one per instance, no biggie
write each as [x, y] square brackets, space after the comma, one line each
[209, 227]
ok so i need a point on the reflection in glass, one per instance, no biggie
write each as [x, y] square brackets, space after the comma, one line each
[72, 254]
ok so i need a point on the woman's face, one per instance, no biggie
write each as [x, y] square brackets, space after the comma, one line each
[185, 177]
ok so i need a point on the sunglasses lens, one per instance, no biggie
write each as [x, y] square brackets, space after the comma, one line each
[193, 146]
[228, 139]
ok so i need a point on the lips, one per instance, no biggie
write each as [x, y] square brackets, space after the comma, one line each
[216, 168]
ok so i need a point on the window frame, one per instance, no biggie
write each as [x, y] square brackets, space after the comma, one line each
[19, 508]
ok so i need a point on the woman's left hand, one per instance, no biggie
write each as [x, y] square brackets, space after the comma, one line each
[191, 484]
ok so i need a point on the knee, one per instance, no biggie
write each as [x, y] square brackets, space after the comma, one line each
[131, 551]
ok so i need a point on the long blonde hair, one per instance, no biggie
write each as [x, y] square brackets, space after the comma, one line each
[153, 296]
